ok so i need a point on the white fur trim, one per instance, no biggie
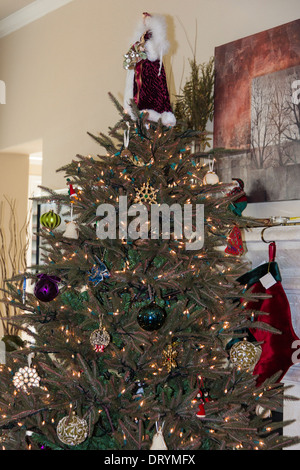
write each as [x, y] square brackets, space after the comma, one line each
[158, 45]
[128, 92]
[167, 118]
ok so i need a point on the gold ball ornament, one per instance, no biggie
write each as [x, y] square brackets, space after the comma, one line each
[25, 378]
[72, 430]
[126, 154]
[211, 178]
[99, 339]
[244, 354]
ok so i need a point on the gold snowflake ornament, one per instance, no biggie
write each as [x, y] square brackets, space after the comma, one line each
[146, 194]
[170, 355]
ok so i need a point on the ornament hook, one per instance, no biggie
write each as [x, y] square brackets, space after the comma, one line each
[211, 164]
[126, 136]
[262, 236]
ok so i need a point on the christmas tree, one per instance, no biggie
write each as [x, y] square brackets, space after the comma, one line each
[132, 311]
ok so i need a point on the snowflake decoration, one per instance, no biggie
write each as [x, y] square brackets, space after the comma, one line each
[146, 194]
[170, 355]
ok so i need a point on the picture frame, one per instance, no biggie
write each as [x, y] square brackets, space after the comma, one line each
[257, 117]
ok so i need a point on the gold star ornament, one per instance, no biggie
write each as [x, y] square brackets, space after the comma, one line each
[170, 355]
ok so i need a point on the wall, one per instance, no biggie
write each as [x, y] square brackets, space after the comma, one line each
[14, 170]
[59, 69]
[14, 185]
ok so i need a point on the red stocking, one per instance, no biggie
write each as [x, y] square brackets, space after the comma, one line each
[276, 348]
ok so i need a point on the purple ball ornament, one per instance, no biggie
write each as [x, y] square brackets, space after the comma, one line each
[46, 288]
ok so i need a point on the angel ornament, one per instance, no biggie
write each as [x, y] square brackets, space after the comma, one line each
[158, 442]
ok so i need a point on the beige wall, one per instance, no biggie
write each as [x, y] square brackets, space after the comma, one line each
[14, 185]
[14, 180]
[59, 69]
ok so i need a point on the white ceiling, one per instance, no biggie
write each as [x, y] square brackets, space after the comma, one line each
[7, 7]
[14, 14]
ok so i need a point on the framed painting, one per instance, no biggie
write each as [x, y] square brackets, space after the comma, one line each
[257, 113]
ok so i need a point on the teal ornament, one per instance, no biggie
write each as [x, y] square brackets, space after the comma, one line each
[238, 207]
[151, 317]
[240, 204]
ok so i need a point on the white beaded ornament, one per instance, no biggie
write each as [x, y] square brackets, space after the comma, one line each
[25, 378]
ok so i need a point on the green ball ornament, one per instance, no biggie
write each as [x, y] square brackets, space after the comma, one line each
[151, 317]
[50, 220]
